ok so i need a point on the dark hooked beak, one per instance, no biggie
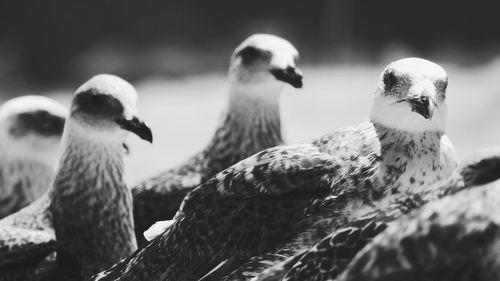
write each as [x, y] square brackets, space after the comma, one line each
[290, 75]
[421, 105]
[137, 127]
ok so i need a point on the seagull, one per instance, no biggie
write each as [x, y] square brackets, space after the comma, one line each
[330, 256]
[30, 135]
[259, 69]
[287, 198]
[86, 215]
[455, 238]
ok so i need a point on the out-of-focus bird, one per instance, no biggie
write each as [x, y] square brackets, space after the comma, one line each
[86, 215]
[259, 69]
[30, 135]
[330, 256]
[455, 238]
[287, 198]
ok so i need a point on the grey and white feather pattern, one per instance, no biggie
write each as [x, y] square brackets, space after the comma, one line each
[283, 200]
[455, 238]
[86, 215]
[30, 133]
[329, 257]
[251, 123]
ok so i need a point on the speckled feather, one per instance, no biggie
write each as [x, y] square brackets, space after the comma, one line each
[293, 196]
[455, 238]
[22, 182]
[322, 262]
[259, 68]
[239, 135]
[86, 215]
[107, 219]
[264, 198]
[30, 133]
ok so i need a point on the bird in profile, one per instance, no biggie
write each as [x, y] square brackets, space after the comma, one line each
[455, 238]
[259, 69]
[329, 257]
[285, 199]
[86, 215]
[30, 135]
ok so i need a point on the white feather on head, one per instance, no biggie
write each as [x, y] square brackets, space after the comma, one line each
[30, 146]
[103, 129]
[421, 77]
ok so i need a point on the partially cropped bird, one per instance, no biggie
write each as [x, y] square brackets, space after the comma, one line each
[30, 135]
[259, 69]
[287, 198]
[455, 238]
[86, 215]
[329, 257]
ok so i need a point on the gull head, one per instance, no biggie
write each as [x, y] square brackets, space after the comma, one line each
[105, 108]
[264, 59]
[411, 96]
[31, 128]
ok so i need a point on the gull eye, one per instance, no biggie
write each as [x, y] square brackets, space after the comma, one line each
[390, 80]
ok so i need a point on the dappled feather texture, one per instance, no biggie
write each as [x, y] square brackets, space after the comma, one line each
[239, 135]
[92, 207]
[377, 163]
[286, 199]
[214, 223]
[456, 238]
[321, 262]
[86, 217]
[21, 182]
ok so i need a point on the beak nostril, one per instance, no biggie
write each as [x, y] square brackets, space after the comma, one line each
[424, 99]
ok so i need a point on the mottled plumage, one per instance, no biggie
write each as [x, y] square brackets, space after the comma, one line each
[331, 255]
[30, 133]
[285, 199]
[250, 124]
[455, 238]
[86, 215]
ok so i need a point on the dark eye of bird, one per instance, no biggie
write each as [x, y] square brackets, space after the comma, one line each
[251, 54]
[390, 80]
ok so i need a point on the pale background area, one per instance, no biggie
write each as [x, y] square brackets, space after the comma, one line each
[183, 112]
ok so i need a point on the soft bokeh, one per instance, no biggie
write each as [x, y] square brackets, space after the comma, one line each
[176, 54]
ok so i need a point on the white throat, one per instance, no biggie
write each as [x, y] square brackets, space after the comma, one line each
[75, 131]
[254, 95]
[391, 114]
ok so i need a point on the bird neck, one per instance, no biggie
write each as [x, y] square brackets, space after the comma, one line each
[251, 123]
[412, 161]
[22, 181]
[91, 205]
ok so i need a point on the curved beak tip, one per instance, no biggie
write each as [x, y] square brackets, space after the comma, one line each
[138, 127]
[421, 106]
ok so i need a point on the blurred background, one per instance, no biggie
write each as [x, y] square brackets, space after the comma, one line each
[176, 53]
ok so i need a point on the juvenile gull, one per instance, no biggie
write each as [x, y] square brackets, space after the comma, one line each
[287, 198]
[30, 135]
[330, 256]
[86, 215]
[455, 238]
[251, 123]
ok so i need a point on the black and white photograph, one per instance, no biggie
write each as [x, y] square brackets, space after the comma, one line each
[278, 140]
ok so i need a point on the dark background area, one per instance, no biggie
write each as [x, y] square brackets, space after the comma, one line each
[176, 54]
[51, 41]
